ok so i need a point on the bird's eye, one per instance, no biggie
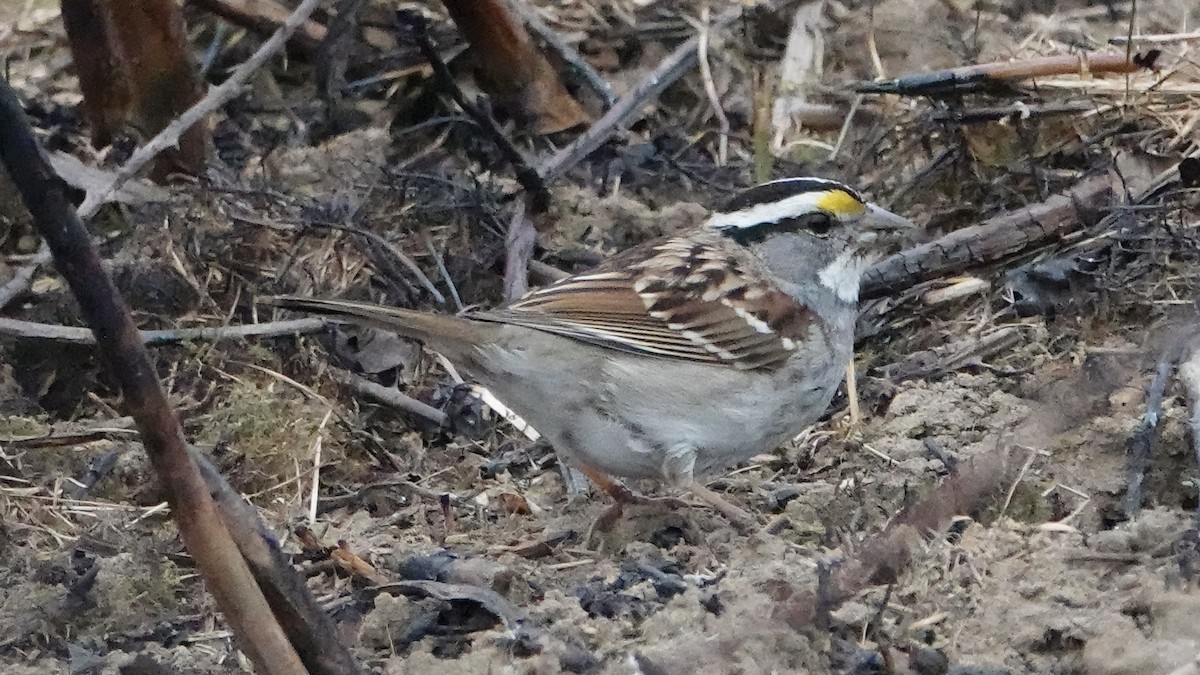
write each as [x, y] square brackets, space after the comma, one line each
[817, 223]
[820, 223]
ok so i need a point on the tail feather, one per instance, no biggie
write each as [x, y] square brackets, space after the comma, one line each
[451, 335]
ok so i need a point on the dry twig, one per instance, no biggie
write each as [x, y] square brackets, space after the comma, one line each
[518, 246]
[710, 88]
[157, 338]
[390, 396]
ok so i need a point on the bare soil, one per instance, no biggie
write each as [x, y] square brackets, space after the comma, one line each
[1049, 575]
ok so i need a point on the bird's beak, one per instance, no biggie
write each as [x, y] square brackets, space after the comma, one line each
[881, 219]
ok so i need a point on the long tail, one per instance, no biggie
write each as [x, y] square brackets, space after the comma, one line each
[453, 336]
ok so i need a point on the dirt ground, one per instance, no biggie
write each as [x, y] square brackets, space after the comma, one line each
[1052, 573]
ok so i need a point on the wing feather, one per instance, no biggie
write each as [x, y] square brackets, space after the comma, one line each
[681, 299]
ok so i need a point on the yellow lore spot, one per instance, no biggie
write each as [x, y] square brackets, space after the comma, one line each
[840, 203]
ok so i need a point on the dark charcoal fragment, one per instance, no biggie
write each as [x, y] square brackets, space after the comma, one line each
[577, 659]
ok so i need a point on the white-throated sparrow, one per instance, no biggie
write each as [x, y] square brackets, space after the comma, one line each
[682, 355]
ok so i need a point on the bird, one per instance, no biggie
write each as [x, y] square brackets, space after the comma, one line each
[680, 356]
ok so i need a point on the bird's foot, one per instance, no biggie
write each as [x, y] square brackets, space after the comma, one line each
[624, 499]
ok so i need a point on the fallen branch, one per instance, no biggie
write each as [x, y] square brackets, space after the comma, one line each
[264, 16]
[929, 363]
[1163, 38]
[992, 240]
[157, 338]
[206, 538]
[485, 598]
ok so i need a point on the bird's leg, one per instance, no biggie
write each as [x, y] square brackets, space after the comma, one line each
[852, 396]
[622, 496]
[574, 480]
[679, 466]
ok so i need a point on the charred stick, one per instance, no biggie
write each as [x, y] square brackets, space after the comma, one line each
[984, 75]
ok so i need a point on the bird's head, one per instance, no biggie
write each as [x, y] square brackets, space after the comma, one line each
[806, 227]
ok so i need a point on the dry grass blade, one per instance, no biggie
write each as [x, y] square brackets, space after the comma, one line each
[801, 67]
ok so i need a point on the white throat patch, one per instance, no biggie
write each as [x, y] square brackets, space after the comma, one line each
[843, 274]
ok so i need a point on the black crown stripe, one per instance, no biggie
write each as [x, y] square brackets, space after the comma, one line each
[779, 190]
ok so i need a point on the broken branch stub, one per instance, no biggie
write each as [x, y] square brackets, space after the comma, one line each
[137, 74]
[509, 67]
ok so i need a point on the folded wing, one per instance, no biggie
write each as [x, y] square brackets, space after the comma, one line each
[684, 300]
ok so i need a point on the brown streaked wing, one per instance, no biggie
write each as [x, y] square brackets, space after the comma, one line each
[689, 300]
